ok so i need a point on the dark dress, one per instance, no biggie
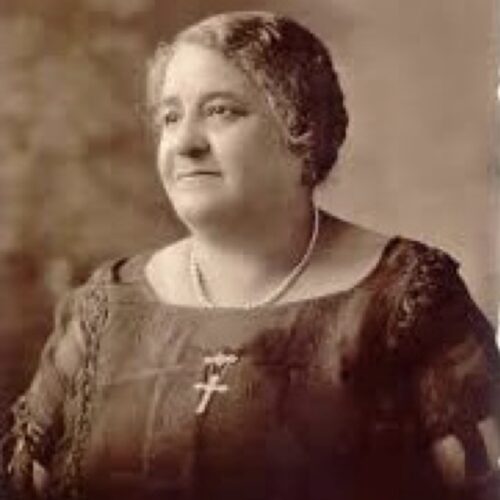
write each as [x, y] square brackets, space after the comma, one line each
[332, 398]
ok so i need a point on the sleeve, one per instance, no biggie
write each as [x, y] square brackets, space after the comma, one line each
[37, 416]
[456, 377]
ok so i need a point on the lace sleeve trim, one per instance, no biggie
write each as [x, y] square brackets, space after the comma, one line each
[430, 279]
[440, 333]
[25, 444]
[26, 429]
[28, 441]
[93, 313]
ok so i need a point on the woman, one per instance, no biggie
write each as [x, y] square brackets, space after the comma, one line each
[277, 352]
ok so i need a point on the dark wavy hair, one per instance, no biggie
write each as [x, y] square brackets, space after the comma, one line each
[289, 64]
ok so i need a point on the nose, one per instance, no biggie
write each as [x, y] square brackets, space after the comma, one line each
[190, 140]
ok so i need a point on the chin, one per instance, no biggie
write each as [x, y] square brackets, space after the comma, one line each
[199, 213]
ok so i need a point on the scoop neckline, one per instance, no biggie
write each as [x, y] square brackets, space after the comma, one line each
[152, 295]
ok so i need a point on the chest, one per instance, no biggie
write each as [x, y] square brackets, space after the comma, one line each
[286, 409]
[164, 402]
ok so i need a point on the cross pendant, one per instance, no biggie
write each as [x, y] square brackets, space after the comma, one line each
[209, 388]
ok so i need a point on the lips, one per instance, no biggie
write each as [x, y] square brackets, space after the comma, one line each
[196, 173]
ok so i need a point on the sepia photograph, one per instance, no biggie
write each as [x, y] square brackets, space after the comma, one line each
[249, 250]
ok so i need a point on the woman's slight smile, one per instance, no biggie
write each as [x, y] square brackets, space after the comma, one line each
[193, 176]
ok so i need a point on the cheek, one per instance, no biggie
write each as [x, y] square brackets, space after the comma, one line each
[236, 156]
[250, 149]
[163, 158]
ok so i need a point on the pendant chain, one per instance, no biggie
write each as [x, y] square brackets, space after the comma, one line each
[275, 294]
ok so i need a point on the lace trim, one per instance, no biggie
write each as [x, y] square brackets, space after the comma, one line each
[25, 443]
[93, 315]
[455, 387]
[25, 428]
[431, 279]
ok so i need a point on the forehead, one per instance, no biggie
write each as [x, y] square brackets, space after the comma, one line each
[196, 70]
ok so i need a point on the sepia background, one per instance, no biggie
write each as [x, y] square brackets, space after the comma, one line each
[77, 176]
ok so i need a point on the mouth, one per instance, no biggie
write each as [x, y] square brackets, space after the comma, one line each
[196, 174]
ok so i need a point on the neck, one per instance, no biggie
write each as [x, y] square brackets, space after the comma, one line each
[244, 264]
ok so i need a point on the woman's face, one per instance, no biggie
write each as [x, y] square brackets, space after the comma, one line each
[222, 154]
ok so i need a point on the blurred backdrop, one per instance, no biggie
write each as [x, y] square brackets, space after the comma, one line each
[77, 177]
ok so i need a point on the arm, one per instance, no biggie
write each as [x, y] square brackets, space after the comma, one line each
[458, 391]
[451, 457]
[66, 371]
[36, 417]
[457, 384]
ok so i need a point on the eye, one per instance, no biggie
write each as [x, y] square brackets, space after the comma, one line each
[166, 116]
[224, 111]
[170, 116]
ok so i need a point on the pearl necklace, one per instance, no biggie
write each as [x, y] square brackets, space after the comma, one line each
[283, 287]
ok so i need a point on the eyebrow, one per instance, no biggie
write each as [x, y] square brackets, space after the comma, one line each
[209, 96]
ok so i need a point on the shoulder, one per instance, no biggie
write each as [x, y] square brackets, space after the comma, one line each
[124, 269]
[431, 307]
[156, 274]
[89, 303]
[425, 258]
[425, 272]
[415, 273]
[428, 274]
[129, 270]
[351, 253]
[83, 315]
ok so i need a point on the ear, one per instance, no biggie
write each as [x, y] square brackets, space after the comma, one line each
[309, 176]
